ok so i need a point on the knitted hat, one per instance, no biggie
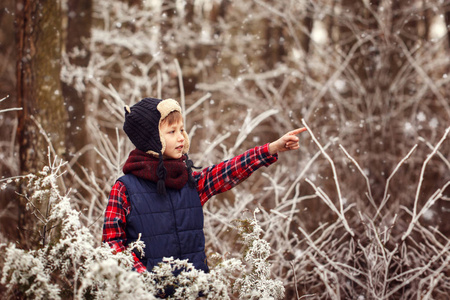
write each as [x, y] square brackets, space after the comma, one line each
[143, 127]
[142, 124]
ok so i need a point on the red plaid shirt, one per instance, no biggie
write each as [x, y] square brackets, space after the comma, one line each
[210, 181]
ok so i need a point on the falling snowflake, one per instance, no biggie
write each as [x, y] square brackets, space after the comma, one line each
[428, 215]
[408, 127]
[340, 85]
[433, 123]
[421, 117]
[367, 172]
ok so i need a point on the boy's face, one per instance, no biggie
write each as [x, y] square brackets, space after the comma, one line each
[174, 138]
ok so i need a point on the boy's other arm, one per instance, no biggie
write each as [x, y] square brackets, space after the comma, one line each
[115, 222]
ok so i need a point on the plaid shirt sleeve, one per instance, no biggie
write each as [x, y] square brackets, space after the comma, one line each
[115, 222]
[226, 175]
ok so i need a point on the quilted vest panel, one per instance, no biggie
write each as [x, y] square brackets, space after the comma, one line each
[170, 225]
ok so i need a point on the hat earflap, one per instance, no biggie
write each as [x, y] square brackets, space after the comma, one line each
[162, 174]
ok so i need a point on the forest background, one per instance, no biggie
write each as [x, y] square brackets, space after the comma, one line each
[361, 210]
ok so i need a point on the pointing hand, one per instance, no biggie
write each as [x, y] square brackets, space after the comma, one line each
[287, 142]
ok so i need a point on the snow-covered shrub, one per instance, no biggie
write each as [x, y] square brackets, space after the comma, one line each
[28, 271]
[68, 256]
[257, 283]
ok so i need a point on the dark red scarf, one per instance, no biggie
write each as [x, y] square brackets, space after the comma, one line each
[145, 166]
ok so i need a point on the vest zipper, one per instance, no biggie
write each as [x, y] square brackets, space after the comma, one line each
[175, 224]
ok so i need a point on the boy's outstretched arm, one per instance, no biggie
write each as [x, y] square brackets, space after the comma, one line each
[227, 174]
[287, 142]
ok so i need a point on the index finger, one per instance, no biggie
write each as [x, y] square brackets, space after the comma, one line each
[297, 131]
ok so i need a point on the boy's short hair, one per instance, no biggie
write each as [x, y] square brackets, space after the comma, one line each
[172, 118]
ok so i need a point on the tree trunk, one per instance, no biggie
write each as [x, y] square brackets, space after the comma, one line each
[38, 39]
[78, 32]
[8, 163]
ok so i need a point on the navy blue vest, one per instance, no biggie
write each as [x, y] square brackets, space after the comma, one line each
[170, 225]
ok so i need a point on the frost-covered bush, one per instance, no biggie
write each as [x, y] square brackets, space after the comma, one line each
[67, 256]
[27, 270]
[257, 284]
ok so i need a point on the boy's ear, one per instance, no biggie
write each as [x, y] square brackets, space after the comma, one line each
[127, 109]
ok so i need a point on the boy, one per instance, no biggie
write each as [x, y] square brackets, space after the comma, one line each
[160, 197]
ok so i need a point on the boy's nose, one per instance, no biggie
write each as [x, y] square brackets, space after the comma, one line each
[180, 137]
